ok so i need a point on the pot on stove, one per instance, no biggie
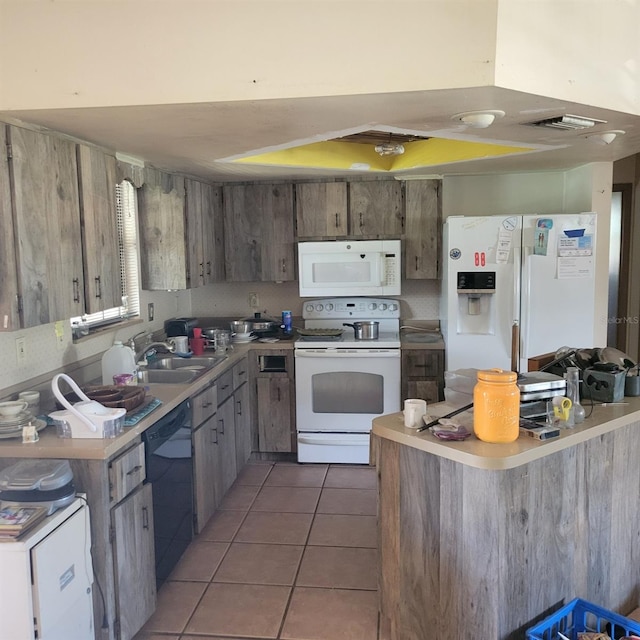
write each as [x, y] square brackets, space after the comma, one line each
[364, 330]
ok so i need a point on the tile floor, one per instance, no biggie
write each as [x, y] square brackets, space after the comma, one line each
[291, 554]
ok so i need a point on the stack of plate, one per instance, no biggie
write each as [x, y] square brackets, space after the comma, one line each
[11, 426]
[243, 340]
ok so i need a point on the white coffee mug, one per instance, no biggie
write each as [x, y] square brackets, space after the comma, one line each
[414, 410]
[180, 344]
[32, 398]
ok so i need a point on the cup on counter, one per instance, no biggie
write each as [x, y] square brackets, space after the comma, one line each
[197, 346]
[121, 379]
[414, 410]
[32, 398]
[180, 343]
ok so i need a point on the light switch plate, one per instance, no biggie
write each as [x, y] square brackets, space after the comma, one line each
[150, 311]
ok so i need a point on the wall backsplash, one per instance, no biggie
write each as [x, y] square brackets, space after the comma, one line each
[420, 299]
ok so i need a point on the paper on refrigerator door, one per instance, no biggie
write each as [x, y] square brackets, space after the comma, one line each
[503, 247]
[575, 267]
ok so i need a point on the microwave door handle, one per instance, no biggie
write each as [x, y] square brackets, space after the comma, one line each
[382, 271]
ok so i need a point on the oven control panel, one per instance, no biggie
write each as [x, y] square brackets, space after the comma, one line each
[350, 308]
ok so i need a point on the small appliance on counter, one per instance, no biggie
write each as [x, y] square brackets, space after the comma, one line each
[536, 388]
[87, 418]
[42, 483]
[180, 327]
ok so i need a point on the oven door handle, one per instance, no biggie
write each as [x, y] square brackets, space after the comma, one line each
[347, 353]
[353, 441]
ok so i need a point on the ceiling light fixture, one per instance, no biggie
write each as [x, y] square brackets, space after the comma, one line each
[478, 119]
[605, 137]
[389, 149]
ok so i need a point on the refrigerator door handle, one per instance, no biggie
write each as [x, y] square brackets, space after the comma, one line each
[525, 297]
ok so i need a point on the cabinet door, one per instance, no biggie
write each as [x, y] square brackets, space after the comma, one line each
[321, 209]
[195, 246]
[162, 231]
[375, 209]
[423, 229]
[227, 439]
[205, 456]
[204, 405]
[258, 226]
[9, 316]
[242, 426]
[423, 374]
[212, 233]
[101, 253]
[47, 226]
[135, 575]
[274, 413]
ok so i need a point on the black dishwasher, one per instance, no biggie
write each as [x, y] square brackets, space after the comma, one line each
[169, 462]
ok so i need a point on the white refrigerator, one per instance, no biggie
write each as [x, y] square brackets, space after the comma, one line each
[536, 270]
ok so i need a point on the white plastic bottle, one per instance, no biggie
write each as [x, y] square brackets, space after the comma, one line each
[117, 359]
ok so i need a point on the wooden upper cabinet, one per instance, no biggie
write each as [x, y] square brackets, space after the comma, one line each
[47, 226]
[205, 228]
[163, 233]
[375, 209]
[321, 209]
[9, 316]
[101, 255]
[423, 230]
[258, 225]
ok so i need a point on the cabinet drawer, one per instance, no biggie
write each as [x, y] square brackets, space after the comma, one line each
[225, 386]
[240, 373]
[204, 405]
[421, 363]
[126, 472]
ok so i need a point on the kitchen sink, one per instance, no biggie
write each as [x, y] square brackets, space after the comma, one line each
[196, 363]
[176, 370]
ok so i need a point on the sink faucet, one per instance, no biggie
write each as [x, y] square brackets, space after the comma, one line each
[151, 348]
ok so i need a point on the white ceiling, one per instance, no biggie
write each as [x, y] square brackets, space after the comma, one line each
[190, 138]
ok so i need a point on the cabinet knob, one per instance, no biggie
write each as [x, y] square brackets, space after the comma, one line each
[337, 220]
[239, 410]
[221, 421]
[145, 518]
[209, 267]
[98, 287]
[134, 470]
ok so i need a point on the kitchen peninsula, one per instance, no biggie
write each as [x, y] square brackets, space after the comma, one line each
[480, 540]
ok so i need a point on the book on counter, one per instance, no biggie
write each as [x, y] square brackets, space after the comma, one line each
[17, 519]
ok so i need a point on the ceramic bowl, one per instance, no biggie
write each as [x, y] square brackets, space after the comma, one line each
[12, 407]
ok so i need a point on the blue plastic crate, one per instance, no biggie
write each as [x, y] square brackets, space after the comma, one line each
[580, 615]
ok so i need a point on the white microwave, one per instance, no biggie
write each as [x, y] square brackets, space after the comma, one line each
[349, 268]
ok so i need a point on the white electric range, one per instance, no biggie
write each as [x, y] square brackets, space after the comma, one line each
[343, 383]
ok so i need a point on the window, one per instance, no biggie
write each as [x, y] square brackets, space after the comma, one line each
[127, 219]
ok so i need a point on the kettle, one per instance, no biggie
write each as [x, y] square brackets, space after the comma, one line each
[87, 418]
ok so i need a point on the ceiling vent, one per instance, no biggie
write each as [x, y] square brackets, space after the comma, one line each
[568, 122]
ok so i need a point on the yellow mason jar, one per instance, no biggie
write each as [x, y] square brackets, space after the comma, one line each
[496, 406]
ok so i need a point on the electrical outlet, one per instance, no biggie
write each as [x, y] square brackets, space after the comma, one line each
[254, 301]
[150, 311]
[21, 350]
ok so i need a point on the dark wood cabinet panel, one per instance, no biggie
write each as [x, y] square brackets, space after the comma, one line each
[423, 374]
[423, 229]
[259, 242]
[321, 209]
[375, 209]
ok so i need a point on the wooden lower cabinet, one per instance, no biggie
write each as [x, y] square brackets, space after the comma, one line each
[274, 414]
[225, 420]
[423, 374]
[134, 561]
[242, 425]
[206, 483]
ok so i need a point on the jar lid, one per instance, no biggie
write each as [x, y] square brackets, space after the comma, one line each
[497, 375]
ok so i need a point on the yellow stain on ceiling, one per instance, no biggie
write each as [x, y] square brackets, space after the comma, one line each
[344, 155]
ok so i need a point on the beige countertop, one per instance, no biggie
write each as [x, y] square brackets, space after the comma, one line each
[483, 455]
[51, 446]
